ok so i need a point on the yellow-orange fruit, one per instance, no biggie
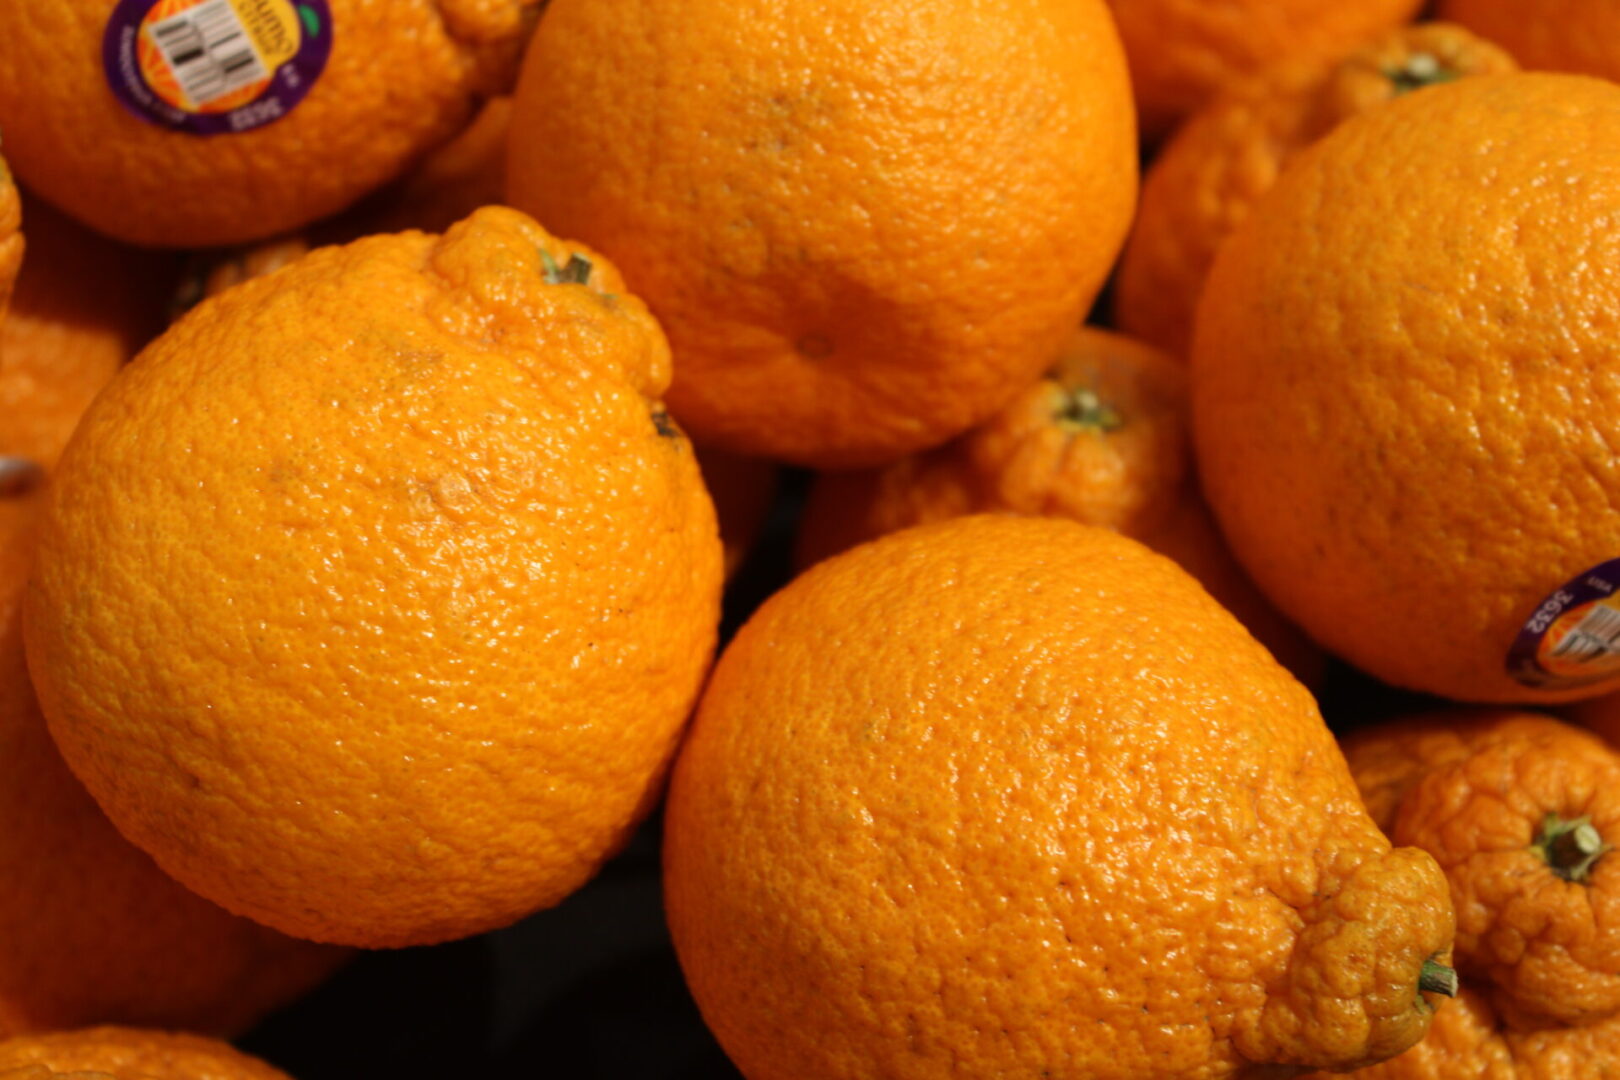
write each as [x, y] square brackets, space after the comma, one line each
[864, 224]
[403, 585]
[1004, 796]
[1403, 397]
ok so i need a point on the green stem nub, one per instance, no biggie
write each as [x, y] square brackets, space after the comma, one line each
[1571, 847]
[577, 272]
[1422, 69]
[1436, 978]
[1082, 408]
[18, 476]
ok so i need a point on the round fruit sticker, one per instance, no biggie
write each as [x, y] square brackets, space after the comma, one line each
[1573, 638]
[211, 67]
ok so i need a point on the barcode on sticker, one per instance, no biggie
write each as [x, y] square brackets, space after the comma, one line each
[209, 51]
[1596, 636]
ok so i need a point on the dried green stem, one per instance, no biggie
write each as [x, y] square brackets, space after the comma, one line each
[1083, 408]
[1420, 70]
[1437, 978]
[1571, 846]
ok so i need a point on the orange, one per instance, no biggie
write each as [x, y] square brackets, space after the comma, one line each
[83, 306]
[1100, 439]
[133, 1054]
[1521, 811]
[1556, 35]
[1229, 153]
[90, 930]
[1403, 400]
[400, 79]
[865, 224]
[372, 597]
[1183, 52]
[1468, 1040]
[1006, 796]
[11, 238]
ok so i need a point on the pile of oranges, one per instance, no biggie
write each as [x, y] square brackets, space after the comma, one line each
[389, 392]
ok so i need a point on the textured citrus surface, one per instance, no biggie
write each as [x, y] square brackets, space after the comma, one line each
[1555, 35]
[1475, 790]
[136, 1054]
[864, 225]
[1012, 796]
[1469, 1040]
[403, 76]
[1229, 153]
[1100, 439]
[371, 599]
[1182, 52]
[82, 307]
[45, 1072]
[1404, 407]
[90, 929]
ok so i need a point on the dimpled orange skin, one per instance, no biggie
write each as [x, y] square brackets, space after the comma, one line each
[90, 929]
[1209, 174]
[82, 307]
[864, 225]
[1183, 52]
[136, 1054]
[1553, 35]
[1042, 455]
[363, 122]
[1473, 788]
[372, 598]
[1012, 796]
[1403, 402]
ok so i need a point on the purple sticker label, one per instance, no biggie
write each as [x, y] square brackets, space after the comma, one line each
[215, 67]
[1573, 638]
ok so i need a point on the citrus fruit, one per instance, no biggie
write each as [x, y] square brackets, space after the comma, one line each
[1009, 796]
[865, 225]
[1555, 35]
[1100, 439]
[1468, 1039]
[1521, 811]
[11, 238]
[1402, 380]
[372, 597]
[1183, 52]
[743, 489]
[184, 123]
[83, 306]
[1229, 153]
[133, 1054]
[90, 930]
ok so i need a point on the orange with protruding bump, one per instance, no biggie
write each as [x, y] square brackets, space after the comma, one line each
[1521, 811]
[1006, 796]
[1185, 52]
[402, 78]
[125, 1053]
[371, 599]
[1404, 403]
[865, 224]
[1204, 181]
[1101, 439]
